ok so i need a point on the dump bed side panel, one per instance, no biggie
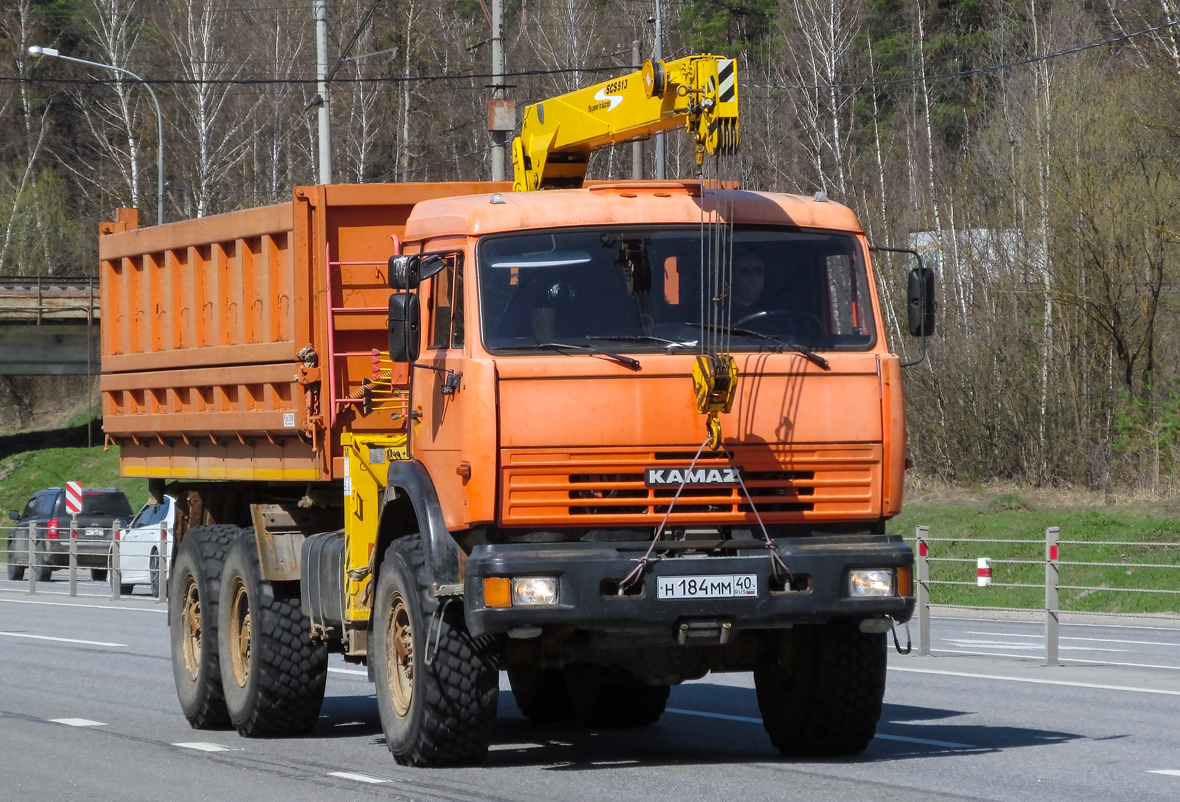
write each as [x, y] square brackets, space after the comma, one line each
[205, 321]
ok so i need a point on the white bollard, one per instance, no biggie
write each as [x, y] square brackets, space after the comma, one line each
[983, 571]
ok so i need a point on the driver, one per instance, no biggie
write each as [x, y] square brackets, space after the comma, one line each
[749, 276]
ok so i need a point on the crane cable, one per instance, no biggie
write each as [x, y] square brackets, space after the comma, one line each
[714, 372]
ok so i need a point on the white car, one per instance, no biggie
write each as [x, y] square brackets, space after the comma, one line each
[141, 544]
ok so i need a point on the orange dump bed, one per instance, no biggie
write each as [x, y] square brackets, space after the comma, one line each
[235, 346]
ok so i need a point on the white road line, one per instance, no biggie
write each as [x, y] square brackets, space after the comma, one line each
[1003, 645]
[1032, 681]
[208, 747]
[883, 737]
[353, 671]
[61, 640]
[1071, 660]
[155, 609]
[360, 778]
[1169, 772]
[1098, 640]
[77, 722]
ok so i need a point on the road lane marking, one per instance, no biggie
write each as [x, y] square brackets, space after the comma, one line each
[1169, 772]
[1099, 640]
[155, 609]
[883, 737]
[77, 722]
[353, 671]
[360, 778]
[1071, 660]
[61, 640]
[998, 644]
[1032, 681]
[208, 747]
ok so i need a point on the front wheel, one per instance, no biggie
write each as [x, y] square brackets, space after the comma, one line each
[437, 685]
[192, 617]
[823, 696]
[272, 672]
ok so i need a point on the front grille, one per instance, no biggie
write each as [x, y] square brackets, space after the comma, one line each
[594, 489]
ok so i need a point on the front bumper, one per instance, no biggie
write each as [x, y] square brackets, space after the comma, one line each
[588, 572]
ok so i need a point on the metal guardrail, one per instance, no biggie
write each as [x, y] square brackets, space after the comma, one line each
[1052, 549]
[30, 562]
[41, 299]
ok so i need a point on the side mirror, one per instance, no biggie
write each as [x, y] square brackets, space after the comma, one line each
[404, 324]
[405, 272]
[14, 515]
[920, 302]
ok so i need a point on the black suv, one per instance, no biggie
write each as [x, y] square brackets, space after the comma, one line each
[101, 508]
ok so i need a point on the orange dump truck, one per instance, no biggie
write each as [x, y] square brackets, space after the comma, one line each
[606, 438]
[530, 492]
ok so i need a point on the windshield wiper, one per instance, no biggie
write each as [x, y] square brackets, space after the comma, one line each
[807, 354]
[669, 345]
[591, 350]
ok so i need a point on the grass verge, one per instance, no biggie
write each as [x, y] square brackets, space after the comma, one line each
[1116, 556]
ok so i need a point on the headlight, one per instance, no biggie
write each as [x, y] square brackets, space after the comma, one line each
[534, 590]
[875, 582]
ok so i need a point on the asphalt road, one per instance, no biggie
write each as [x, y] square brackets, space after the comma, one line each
[88, 712]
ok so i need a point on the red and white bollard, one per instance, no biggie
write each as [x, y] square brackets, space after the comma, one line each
[983, 571]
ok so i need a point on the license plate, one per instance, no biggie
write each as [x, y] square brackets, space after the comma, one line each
[94, 532]
[723, 586]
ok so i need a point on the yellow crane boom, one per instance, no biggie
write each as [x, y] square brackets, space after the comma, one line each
[558, 135]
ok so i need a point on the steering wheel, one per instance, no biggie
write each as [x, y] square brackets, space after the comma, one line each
[811, 323]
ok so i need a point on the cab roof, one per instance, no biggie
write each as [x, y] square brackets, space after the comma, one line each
[618, 203]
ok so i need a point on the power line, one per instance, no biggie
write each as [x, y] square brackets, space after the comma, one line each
[397, 79]
[976, 71]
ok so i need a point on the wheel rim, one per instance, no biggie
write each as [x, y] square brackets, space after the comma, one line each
[239, 632]
[190, 619]
[399, 656]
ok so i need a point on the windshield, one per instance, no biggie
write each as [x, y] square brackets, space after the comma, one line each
[641, 289]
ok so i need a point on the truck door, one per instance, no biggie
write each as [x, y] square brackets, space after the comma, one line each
[436, 392]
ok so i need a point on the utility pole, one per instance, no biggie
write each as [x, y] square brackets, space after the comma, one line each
[636, 146]
[320, 10]
[501, 111]
[659, 168]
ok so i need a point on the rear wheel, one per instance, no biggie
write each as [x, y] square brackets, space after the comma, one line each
[272, 672]
[824, 696]
[541, 694]
[608, 697]
[437, 686]
[15, 572]
[154, 569]
[192, 616]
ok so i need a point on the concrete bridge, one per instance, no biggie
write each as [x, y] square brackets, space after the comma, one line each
[49, 326]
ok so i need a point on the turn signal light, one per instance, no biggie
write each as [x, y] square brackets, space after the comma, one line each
[905, 581]
[497, 591]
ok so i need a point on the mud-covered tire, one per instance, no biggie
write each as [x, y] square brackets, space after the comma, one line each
[272, 672]
[541, 694]
[192, 618]
[437, 714]
[612, 698]
[826, 699]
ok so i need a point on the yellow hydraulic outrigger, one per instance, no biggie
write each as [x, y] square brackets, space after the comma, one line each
[558, 135]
